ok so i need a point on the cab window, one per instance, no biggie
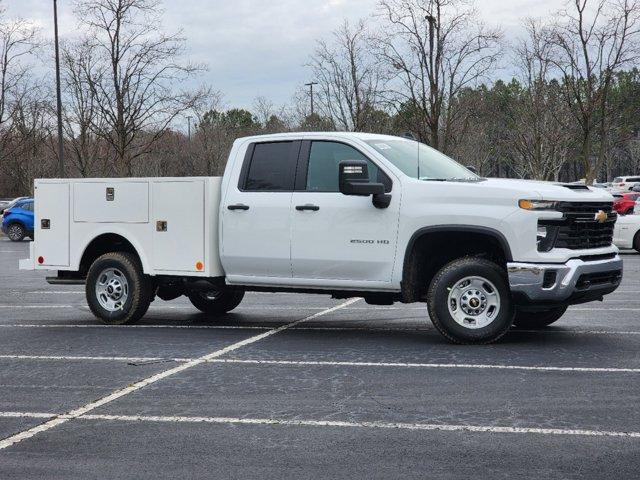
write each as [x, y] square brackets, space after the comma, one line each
[270, 167]
[322, 170]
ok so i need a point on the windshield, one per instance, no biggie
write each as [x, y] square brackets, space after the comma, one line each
[420, 161]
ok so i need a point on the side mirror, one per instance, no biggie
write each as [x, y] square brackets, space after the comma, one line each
[354, 180]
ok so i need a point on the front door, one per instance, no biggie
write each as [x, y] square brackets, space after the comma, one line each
[335, 236]
[256, 214]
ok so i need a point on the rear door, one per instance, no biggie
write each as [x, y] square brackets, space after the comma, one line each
[256, 213]
[336, 236]
[51, 228]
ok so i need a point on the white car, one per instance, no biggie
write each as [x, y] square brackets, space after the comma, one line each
[626, 233]
[345, 214]
[625, 183]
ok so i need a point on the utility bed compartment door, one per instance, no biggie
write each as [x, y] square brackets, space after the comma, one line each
[178, 225]
[115, 202]
[51, 227]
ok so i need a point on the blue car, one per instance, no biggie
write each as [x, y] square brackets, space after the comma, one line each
[17, 220]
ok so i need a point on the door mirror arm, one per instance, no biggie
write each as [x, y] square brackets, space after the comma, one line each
[381, 200]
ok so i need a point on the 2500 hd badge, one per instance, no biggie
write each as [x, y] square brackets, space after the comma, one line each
[370, 242]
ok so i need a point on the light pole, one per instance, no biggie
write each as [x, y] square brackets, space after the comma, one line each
[58, 95]
[310, 85]
[189, 117]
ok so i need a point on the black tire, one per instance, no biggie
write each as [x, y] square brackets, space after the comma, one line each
[438, 301]
[16, 232]
[217, 303]
[139, 288]
[535, 320]
[636, 242]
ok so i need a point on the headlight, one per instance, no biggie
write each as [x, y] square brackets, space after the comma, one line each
[538, 204]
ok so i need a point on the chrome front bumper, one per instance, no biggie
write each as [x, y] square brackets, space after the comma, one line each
[576, 281]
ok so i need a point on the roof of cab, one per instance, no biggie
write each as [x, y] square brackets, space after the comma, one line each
[300, 135]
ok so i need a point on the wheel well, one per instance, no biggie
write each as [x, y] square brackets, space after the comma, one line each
[108, 242]
[636, 241]
[428, 251]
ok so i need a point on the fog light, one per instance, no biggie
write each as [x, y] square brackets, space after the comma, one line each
[546, 237]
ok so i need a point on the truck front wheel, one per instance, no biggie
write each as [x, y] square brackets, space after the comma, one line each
[538, 319]
[217, 302]
[469, 301]
[117, 291]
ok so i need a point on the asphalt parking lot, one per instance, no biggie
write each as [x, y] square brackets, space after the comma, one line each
[302, 386]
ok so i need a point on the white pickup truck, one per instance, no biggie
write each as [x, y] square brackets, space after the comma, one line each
[346, 214]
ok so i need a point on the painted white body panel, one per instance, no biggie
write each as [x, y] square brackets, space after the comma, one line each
[191, 235]
[625, 230]
[273, 244]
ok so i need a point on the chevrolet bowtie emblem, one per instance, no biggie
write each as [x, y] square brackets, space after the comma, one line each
[601, 217]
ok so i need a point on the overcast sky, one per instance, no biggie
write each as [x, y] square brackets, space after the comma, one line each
[260, 47]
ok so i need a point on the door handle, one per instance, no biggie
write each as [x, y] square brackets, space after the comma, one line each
[238, 206]
[313, 208]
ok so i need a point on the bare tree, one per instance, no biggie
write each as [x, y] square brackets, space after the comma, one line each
[82, 115]
[135, 78]
[540, 130]
[18, 41]
[433, 50]
[593, 39]
[348, 77]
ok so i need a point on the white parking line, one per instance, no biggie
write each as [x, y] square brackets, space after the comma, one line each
[479, 366]
[89, 358]
[432, 365]
[297, 308]
[78, 412]
[178, 327]
[163, 307]
[325, 423]
[26, 415]
[426, 329]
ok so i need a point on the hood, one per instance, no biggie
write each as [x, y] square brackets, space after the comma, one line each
[538, 190]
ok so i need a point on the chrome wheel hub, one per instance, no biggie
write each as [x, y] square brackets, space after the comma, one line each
[474, 302]
[112, 289]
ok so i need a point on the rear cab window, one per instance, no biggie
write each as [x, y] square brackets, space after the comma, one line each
[269, 167]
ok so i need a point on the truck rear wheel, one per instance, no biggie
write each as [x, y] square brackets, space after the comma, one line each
[117, 291]
[538, 319]
[217, 302]
[469, 301]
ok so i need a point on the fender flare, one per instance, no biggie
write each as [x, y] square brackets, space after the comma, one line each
[408, 272]
[146, 267]
[497, 235]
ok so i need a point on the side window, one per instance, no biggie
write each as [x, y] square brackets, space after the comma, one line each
[322, 170]
[271, 167]
[28, 206]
